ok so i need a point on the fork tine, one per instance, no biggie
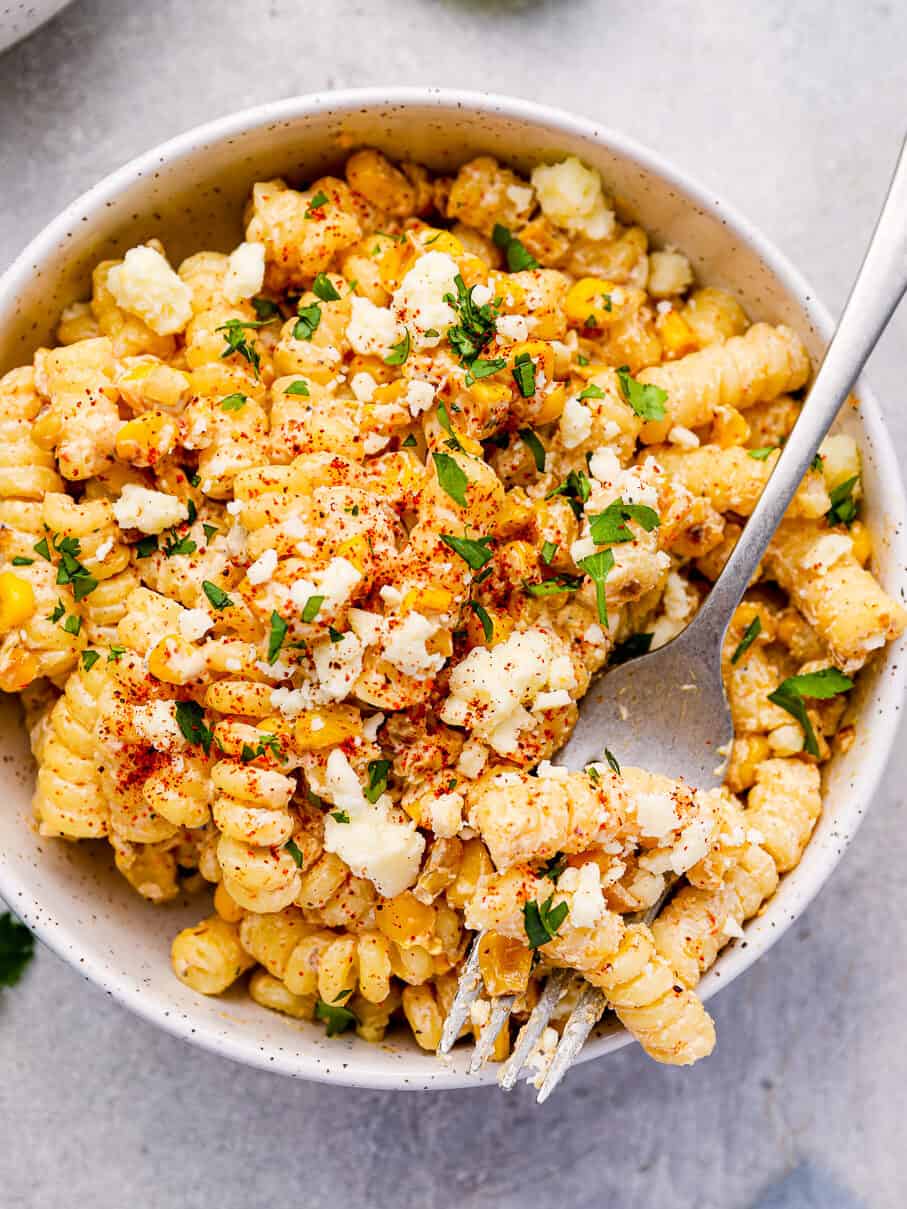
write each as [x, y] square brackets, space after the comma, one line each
[501, 1007]
[583, 1019]
[534, 1027]
[468, 991]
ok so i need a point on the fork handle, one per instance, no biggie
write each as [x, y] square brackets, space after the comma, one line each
[879, 287]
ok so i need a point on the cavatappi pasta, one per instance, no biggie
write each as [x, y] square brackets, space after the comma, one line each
[311, 550]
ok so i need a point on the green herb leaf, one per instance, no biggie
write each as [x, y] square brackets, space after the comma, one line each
[542, 921]
[549, 549]
[473, 552]
[293, 848]
[408, 442]
[89, 659]
[377, 779]
[591, 392]
[576, 488]
[581, 360]
[182, 545]
[483, 369]
[42, 548]
[553, 868]
[59, 610]
[340, 816]
[320, 199]
[821, 685]
[307, 324]
[19, 561]
[761, 454]
[72, 624]
[524, 375]
[324, 288]
[476, 326]
[612, 762]
[115, 654]
[236, 341]
[218, 597]
[552, 587]
[210, 531]
[336, 1017]
[500, 235]
[265, 309]
[311, 607]
[17, 947]
[277, 635]
[482, 614]
[146, 546]
[451, 477]
[597, 566]
[334, 635]
[299, 387]
[750, 634]
[535, 447]
[444, 421]
[399, 351]
[611, 525]
[234, 402]
[519, 257]
[843, 510]
[646, 399]
[190, 718]
[631, 648]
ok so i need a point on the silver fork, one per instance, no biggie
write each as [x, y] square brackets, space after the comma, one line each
[667, 711]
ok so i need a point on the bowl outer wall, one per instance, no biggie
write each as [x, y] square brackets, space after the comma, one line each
[190, 190]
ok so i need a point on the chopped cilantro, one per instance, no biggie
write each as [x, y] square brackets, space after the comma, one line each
[307, 324]
[234, 402]
[790, 694]
[524, 374]
[19, 561]
[482, 613]
[277, 635]
[474, 552]
[337, 1018]
[484, 369]
[408, 442]
[115, 654]
[146, 546]
[549, 549]
[843, 510]
[399, 351]
[551, 587]
[553, 868]
[340, 816]
[324, 288]
[265, 309]
[17, 947]
[444, 420]
[299, 387]
[218, 597]
[236, 341]
[761, 454]
[190, 718]
[476, 325]
[646, 399]
[377, 779]
[42, 548]
[576, 487]
[591, 392]
[451, 477]
[320, 199]
[311, 607]
[612, 761]
[542, 921]
[292, 847]
[72, 624]
[750, 634]
[597, 566]
[518, 256]
[59, 610]
[89, 659]
[535, 447]
[210, 530]
[611, 525]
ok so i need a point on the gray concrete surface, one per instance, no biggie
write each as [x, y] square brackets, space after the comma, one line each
[792, 109]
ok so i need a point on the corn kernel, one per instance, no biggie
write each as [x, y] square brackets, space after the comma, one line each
[473, 270]
[510, 291]
[588, 302]
[146, 438]
[433, 239]
[19, 669]
[17, 601]
[436, 600]
[729, 427]
[505, 964]
[317, 729]
[390, 392]
[394, 263]
[552, 406]
[355, 550]
[862, 542]
[175, 661]
[225, 906]
[676, 334]
[539, 351]
[47, 429]
[489, 394]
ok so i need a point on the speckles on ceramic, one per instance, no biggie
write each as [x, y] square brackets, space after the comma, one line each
[18, 20]
[190, 192]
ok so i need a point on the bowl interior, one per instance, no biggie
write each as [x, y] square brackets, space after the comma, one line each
[190, 193]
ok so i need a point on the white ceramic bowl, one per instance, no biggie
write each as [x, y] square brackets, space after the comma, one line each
[190, 192]
[21, 17]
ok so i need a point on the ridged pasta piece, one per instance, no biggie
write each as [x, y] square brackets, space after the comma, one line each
[668, 1021]
[151, 869]
[760, 365]
[209, 956]
[784, 805]
[81, 419]
[68, 798]
[732, 481]
[129, 335]
[296, 246]
[844, 603]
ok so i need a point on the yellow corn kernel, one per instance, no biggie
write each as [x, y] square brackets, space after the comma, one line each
[361, 363]
[151, 383]
[436, 600]
[225, 906]
[20, 669]
[540, 352]
[355, 550]
[473, 269]
[862, 542]
[396, 473]
[514, 515]
[489, 394]
[17, 601]
[176, 661]
[423, 1016]
[552, 406]
[405, 920]
[747, 753]
[476, 863]
[501, 628]
[440, 643]
[146, 438]
[588, 302]
[433, 239]
[505, 964]
[47, 429]
[676, 334]
[394, 263]
[729, 427]
[317, 729]
[511, 292]
[390, 392]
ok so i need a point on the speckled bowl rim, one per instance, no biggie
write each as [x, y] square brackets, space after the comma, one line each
[799, 887]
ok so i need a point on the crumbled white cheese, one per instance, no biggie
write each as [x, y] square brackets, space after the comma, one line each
[391, 596]
[419, 303]
[587, 903]
[445, 814]
[363, 386]
[291, 701]
[678, 605]
[245, 271]
[594, 635]
[472, 759]
[368, 627]
[561, 673]
[656, 814]
[521, 195]
[732, 928]
[337, 665]
[419, 396]
[541, 1057]
[156, 723]
[693, 845]
[553, 700]
[195, 624]
[513, 327]
[825, 551]
[236, 540]
[684, 437]
[103, 550]
[582, 548]
[482, 294]
[148, 511]
[372, 843]
[372, 330]
[552, 772]
[405, 647]
[571, 196]
[335, 583]
[374, 442]
[605, 466]
[575, 423]
[263, 568]
[145, 285]
[371, 726]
